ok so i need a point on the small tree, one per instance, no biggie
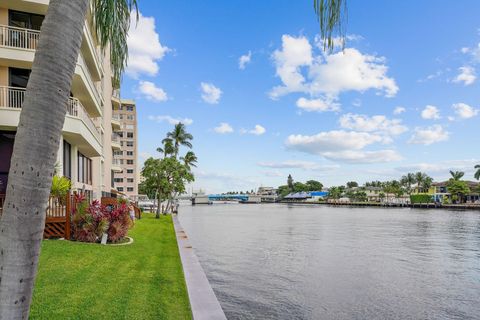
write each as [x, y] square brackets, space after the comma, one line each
[458, 189]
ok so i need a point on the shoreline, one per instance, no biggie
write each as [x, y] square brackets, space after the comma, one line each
[391, 205]
[203, 301]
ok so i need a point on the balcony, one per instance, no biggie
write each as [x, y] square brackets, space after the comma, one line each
[116, 165]
[18, 47]
[116, 142]
[78, 127]
[116, 124]
[116, 102]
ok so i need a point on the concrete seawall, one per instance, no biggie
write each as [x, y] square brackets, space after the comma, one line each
[203, 301]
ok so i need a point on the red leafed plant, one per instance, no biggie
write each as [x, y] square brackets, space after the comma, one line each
[119, 223]
[91, 221]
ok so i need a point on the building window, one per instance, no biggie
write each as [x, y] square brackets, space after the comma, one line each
[129, 153]
[129, 126]
[25, 20]
[129, 143]
[130, 180]
[84, 169]
[129, 170]
[129, 134]
[129, 189]
[67, 159]
[130, 117]
[129, 108]
[19, 77]
[118, 153]
[129, 161]
[120, 189]
[118, 180]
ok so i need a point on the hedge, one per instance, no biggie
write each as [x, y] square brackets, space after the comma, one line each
[421, 198]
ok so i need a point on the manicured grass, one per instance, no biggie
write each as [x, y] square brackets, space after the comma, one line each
[143, 280]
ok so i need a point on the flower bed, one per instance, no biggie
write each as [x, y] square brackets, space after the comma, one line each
[91, 221]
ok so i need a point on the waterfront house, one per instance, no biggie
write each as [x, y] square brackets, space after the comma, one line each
[440, 193]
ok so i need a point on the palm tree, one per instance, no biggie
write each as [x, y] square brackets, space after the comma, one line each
[408, 180]
[168, 148]
[477, 173]
[457, 175]
[190, 159]
[180, 137]
[419, 177]
[39, 132]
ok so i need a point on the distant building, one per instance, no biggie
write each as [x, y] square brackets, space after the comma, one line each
[266, 191]
[125, 144]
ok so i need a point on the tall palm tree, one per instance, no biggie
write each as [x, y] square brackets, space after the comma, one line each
[457, 175]
[408, 180]
[180, 137]
[419, 177]
[39, 132]
[189, 160]
[477, 173]
[168, 148]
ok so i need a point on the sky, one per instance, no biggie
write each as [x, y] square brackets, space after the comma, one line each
[263, 100]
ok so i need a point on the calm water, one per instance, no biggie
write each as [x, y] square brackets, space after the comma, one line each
[276, 261]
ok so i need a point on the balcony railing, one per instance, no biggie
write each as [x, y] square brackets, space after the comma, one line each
[19, 37]
[13, 97]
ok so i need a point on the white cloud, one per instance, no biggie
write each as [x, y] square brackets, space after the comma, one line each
[466, 75]
[152, 92]
[464, 111]
[171, 120]
[258, 130]
[223, 128]
[328, 75]
[399, 110]
[342, 145]
[429, 135]
[144, 47]
[378, 123]
[296, 164]
[319, 105]
[210, 93]
[439, 167]
[244, 60]
[430, 112]
[353, 156]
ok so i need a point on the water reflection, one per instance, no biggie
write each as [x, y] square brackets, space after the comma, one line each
[298, 262]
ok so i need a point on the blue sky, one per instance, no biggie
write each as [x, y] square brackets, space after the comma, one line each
[402, 96]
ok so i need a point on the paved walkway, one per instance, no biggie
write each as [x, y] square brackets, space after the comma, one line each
[203, 301]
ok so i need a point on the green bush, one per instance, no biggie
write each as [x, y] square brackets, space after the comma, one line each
[421, 198]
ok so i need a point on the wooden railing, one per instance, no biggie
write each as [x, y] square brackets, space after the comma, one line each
[19, 37]
[58, 213]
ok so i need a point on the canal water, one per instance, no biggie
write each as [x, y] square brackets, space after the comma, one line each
[276, 261]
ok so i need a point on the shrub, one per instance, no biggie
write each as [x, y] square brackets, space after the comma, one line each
[60, 187]
[119, 223]
[90, 222]
[421, 198]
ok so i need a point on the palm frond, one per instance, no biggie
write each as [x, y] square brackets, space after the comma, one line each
[111, 20]
[332, 15]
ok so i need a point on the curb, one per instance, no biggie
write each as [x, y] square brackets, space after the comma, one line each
[203, 300]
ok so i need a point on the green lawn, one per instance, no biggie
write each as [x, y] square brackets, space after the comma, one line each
[143, 280]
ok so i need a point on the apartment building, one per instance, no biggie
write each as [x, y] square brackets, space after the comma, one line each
[125, 139]
[85, 152]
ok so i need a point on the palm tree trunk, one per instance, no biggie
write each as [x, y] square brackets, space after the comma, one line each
[34, 154]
